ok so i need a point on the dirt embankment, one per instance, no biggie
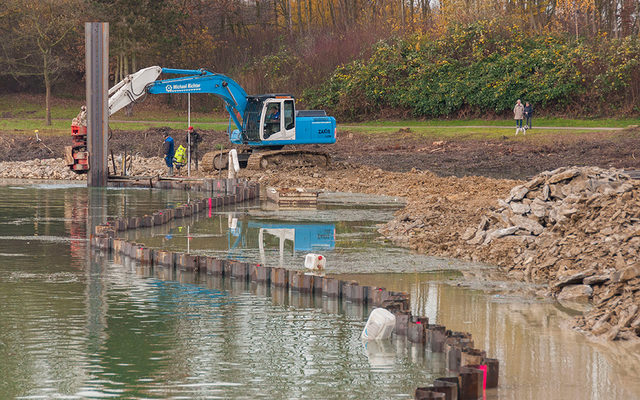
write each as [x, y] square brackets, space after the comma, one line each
[575, 230]
[22, 147]
[509, 157]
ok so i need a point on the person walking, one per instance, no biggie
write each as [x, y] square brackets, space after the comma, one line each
[196, 139]
[169, 151]
[518, 114]
[528, 114]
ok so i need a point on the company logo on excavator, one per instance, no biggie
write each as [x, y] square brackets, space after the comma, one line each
[179, 87]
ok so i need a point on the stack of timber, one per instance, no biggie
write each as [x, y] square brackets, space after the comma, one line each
[292, 196]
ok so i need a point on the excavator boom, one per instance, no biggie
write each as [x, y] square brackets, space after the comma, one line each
[125, 92]
[131, 88]
[202, 81]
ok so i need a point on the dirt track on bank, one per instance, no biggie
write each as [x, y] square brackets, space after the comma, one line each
[510, 157]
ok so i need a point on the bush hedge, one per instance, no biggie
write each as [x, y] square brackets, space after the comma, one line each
[481, 70]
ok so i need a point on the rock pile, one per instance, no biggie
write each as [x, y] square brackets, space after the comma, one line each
[57, 169]
[47, 168]
[140, 166]
[577, 229]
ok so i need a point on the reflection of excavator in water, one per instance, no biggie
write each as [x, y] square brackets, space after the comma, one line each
[303, 237]
[264, 124]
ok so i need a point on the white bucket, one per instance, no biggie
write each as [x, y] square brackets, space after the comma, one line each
[380, 325]
[315, 261]
[234, 164]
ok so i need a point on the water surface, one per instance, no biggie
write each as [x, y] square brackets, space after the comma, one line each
[76, 324]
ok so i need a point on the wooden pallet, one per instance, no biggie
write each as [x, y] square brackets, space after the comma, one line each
[292, 196]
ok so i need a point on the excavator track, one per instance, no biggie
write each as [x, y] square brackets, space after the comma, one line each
[215, 160]
[282, 158]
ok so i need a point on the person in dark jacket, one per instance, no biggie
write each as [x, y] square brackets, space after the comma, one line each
[528, 114]
[169, 152]
[196, 139]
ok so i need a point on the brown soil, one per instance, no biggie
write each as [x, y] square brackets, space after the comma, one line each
[509, 157]
[21, 147]
[506, 158]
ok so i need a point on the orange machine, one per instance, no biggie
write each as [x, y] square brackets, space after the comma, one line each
[77, 155]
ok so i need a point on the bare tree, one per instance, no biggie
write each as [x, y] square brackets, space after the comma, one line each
[36, 35]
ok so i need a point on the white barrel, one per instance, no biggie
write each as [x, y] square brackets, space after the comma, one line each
[380, 325]
[315, 261]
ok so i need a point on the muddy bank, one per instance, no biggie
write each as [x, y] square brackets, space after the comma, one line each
[582, 244]
[22, 147]
[509, 157]
[438, 208]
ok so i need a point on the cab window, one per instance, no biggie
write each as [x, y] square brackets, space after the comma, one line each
[289, 120]
[251, 122]
[272, 120]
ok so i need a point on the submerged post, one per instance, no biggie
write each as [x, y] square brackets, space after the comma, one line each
[96, 36]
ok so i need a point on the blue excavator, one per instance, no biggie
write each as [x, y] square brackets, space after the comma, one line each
[260, 125]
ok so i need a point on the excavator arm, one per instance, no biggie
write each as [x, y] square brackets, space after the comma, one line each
[125, 92]
[136, 85]
[131, 88]
[202, 81]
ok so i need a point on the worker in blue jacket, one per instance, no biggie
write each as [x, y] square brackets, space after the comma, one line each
[169, 151]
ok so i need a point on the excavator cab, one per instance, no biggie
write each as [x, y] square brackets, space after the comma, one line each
[269, 118]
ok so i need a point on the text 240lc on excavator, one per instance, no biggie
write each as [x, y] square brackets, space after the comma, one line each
[262, 125]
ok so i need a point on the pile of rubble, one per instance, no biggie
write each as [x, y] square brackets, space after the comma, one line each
[578, 230]
[46, 168]
[57, 169]
[139, 166]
